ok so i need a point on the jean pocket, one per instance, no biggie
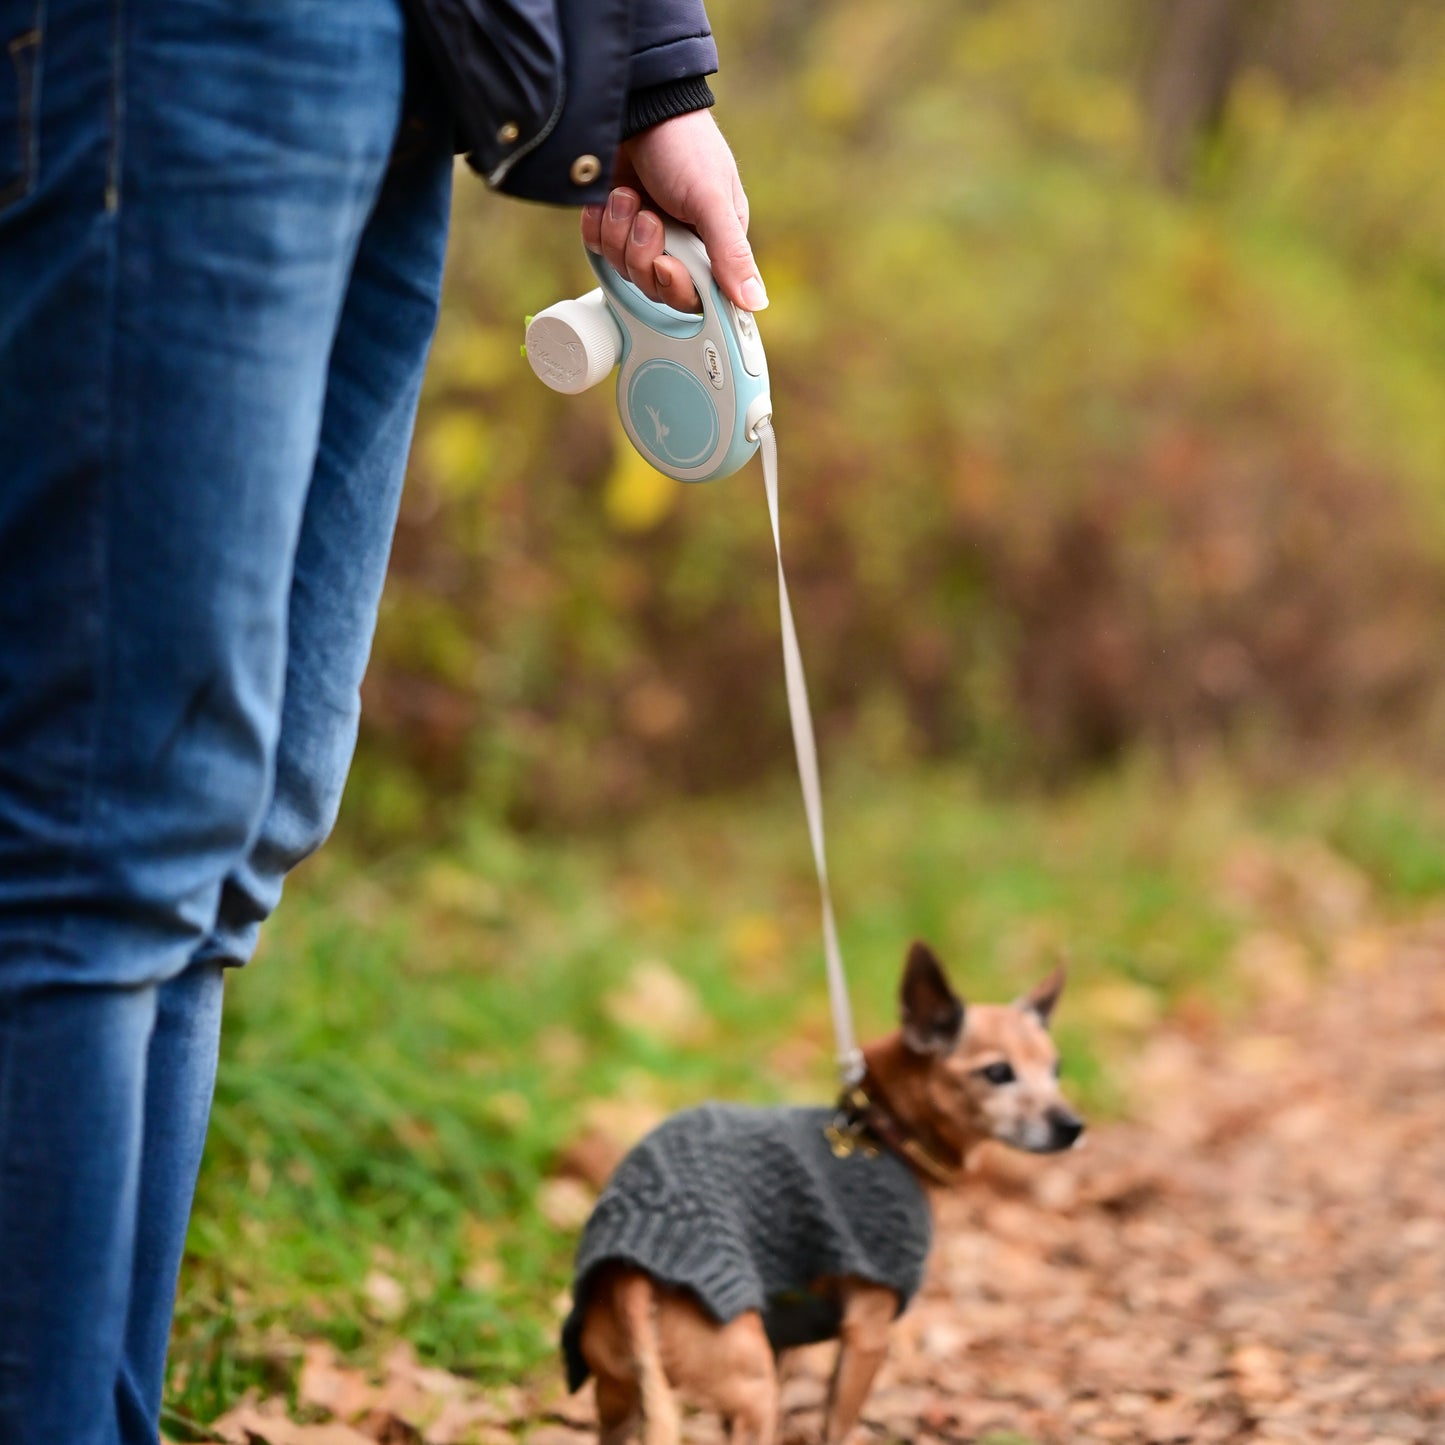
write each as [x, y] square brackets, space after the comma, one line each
[19, 111]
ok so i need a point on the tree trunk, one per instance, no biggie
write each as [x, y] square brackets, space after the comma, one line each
[1194, 67]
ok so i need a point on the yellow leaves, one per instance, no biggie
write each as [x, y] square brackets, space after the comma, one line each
[636, 496]
[756, 941]
[831, 98]
[565, 1203]
[1003, 39]
[561, 1048]
[1118, 1004]
[480, 358]
[837, 90]
[482, 1241]
[625, 1118]
[436, 636]
[1092, 113]
[456, 449]
[508, 1108]
[459, 892]
[386, 1296]
[1259, 107]
[656, 1002]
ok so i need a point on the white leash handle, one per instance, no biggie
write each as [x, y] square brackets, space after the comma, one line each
[850, 1059]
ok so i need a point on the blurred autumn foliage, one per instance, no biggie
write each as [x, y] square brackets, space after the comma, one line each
[1106, 346]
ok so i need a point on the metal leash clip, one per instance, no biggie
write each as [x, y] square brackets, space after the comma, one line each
[845, 1132]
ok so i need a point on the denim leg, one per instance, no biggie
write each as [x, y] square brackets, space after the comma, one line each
[371, 398]
[169, 296]
[180, 1081]
[72, 1084]
[371, 395]
[175, 246]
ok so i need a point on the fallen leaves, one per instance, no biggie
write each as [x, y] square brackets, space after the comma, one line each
[403, 1403]
[385, 1295]
[656, 1001]
[1259, 1259]
[565, 1203]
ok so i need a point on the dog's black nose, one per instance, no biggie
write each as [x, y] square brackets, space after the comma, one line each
[1065, 1128]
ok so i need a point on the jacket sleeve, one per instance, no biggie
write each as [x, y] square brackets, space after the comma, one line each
[673, 51]
[611, 68]
[658, 103]
[671, 40]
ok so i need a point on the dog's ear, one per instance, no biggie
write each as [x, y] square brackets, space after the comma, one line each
[1042, 997]
[932, 1012]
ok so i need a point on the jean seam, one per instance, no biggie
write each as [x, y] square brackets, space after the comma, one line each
[27, 76]
[7, 1090]
[111, 454]
[117, 107]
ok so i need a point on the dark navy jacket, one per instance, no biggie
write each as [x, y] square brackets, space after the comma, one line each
[542, 91]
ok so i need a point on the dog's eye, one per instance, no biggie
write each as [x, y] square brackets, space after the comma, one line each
[999, 1073]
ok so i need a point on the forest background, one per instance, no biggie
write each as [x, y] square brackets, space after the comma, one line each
[1107, 343]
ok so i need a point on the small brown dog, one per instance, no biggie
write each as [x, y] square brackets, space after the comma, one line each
[730, 1235]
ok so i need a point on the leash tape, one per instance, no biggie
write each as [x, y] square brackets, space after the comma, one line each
[850, 1059]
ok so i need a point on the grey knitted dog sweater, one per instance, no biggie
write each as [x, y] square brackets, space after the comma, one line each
[746, 1208]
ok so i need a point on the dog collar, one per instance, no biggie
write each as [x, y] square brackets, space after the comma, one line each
[863, 1122]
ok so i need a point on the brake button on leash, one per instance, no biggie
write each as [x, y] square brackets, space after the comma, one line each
[692, 392]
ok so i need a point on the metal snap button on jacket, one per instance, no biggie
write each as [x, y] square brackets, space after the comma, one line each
[585, 170]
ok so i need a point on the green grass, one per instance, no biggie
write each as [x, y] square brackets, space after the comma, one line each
[421, 1037]
[1385, 828]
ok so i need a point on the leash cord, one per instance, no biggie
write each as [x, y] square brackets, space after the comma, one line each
[850, 1059]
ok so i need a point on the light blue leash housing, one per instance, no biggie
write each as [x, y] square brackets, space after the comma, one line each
[691, 389]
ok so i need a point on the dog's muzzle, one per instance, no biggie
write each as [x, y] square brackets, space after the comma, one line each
[1065, 1129]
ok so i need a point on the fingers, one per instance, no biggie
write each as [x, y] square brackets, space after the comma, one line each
[592, 228]
[674, 285]
[722, 224]
[631, 239]
[685, 166]
[740, 201]
[662, 277]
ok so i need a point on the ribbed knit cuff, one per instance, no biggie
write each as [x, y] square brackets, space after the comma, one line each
[656, 103]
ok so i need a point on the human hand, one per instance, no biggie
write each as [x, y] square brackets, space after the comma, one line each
[682, 167]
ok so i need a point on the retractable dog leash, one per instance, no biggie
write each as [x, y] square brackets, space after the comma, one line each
[692, 392]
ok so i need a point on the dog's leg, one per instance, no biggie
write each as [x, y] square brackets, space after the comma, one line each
[868, 1314]
[757, 1422]
[618, 1414]
[636, 1303]
[748, 1398]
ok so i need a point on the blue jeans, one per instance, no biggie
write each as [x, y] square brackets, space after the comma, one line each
[221, 235]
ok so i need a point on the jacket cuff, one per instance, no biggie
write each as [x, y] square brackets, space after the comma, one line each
[654, 104]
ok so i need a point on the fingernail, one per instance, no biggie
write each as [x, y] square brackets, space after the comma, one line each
[621, 204]
[644, 227]
[755, 294]
[659, 274]
[592, 213]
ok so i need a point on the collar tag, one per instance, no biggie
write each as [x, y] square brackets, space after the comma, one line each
[847, 1131]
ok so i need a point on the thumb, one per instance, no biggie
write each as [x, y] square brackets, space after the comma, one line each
[732, 258]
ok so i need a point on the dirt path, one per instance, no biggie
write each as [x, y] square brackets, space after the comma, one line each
[1261, 1258]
